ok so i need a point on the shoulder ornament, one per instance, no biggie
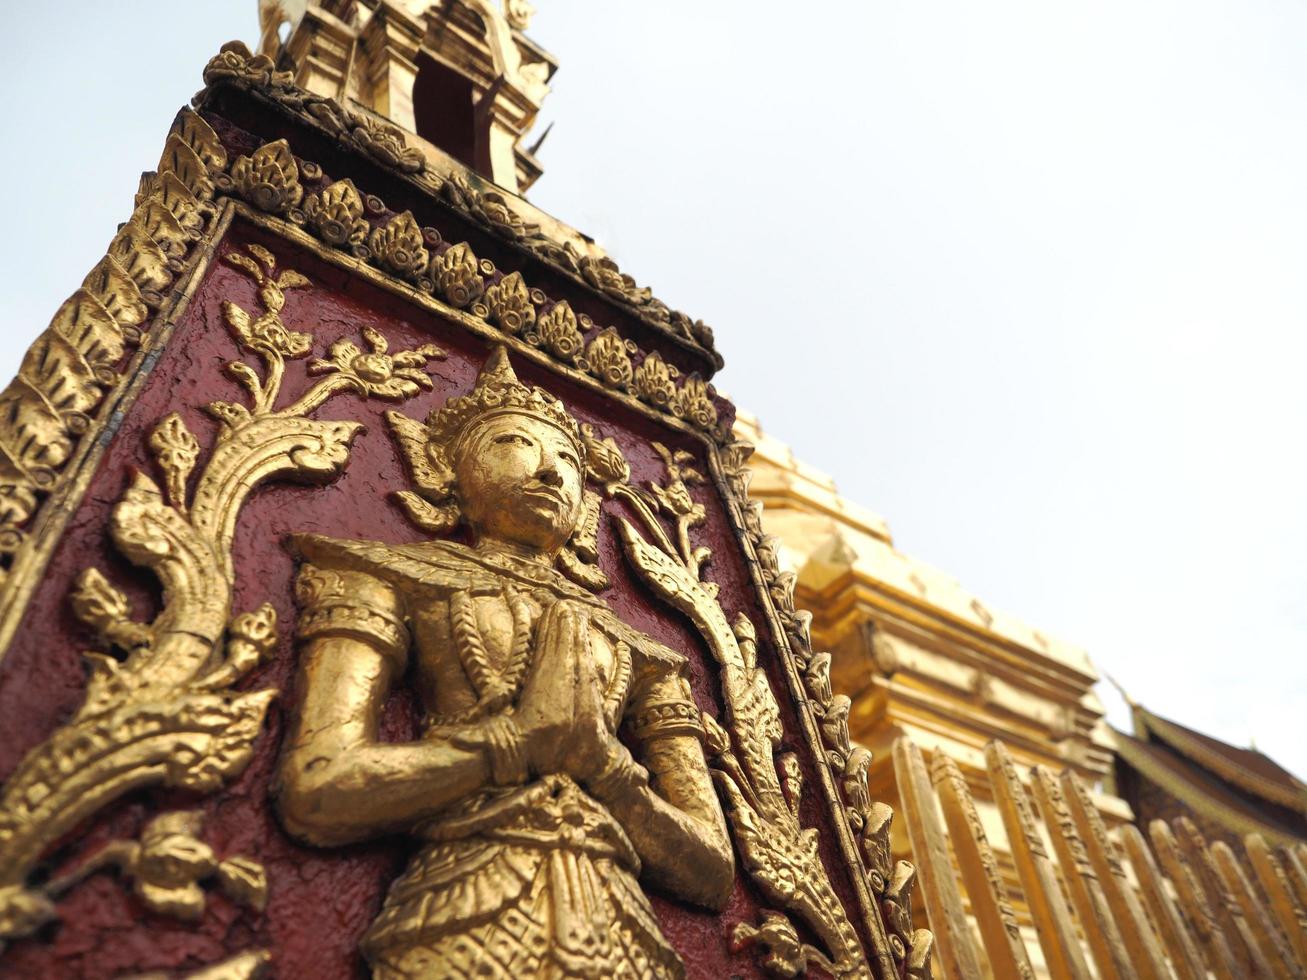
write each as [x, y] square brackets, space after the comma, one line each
[350, 604]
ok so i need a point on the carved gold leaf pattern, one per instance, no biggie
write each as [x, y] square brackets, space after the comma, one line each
[608, 358]
[868, 822]
[509, 304]
[457, 275]
[69, 368]
[398, 246]
[336, 214]
[558, 332]
[655, 381]
[268, 178]
[166, 712]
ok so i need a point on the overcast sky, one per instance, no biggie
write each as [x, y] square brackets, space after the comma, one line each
[1029, 279]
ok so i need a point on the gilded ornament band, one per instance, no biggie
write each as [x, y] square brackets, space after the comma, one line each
[386, 145]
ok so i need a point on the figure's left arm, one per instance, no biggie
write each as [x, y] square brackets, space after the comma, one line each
[666, 801]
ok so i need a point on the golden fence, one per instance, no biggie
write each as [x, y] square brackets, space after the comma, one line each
[1115, 909]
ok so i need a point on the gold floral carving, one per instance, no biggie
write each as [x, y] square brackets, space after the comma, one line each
[377, 138]
[272, 180]
[557, 332]
[490, 207]
[655, 381]
[268, 178]
[383, 142]
[608, 358]
[695, 403]
[168, 866]
[457, 275]
[336, 215]
[398, 247]
[510, 306]
[779, 854]
[117, 298]
[868, 822]
[163, 710]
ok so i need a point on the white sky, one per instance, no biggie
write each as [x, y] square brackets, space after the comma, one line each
[1027, 278]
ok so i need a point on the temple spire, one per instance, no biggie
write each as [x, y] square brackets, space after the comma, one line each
[459, 74]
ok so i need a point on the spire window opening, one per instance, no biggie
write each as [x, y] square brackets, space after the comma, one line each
[444, 113]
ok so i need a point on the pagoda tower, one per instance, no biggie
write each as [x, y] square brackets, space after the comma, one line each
[381, 594]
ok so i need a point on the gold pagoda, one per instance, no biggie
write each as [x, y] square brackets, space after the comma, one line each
[1005, 714]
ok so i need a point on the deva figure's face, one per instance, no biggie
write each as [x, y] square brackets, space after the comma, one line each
[519, 482]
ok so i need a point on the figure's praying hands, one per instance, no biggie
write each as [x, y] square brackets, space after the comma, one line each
[560, 713]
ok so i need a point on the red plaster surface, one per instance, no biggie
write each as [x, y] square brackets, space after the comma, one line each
[320, 901]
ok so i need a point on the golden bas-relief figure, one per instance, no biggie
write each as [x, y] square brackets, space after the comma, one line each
[537, 824]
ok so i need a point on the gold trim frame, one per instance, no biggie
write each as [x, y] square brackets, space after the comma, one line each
[459, 289]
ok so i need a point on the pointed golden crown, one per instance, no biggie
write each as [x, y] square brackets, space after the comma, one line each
[498, 392]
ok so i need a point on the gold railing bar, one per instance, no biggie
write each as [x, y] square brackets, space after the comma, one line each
[1295, 863]
[1228, 912]
[939, 887]
[999, 929]
[1185, 957]
[1194, 901]
[1265, 930]
[1096, 922]
[1141, 944]
[1057, 934]
[1278, 889]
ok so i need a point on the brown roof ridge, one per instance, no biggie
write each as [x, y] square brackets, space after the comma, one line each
[1220, 806]
[1248, 769]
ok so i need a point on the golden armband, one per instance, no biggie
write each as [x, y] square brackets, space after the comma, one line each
[664, 718]
[351, 604]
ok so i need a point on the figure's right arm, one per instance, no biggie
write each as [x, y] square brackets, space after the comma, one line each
[338, 782]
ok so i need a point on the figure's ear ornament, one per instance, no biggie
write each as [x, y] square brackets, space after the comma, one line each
[431, 507]
[577, 570]
[585, 540]
[579, 560]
